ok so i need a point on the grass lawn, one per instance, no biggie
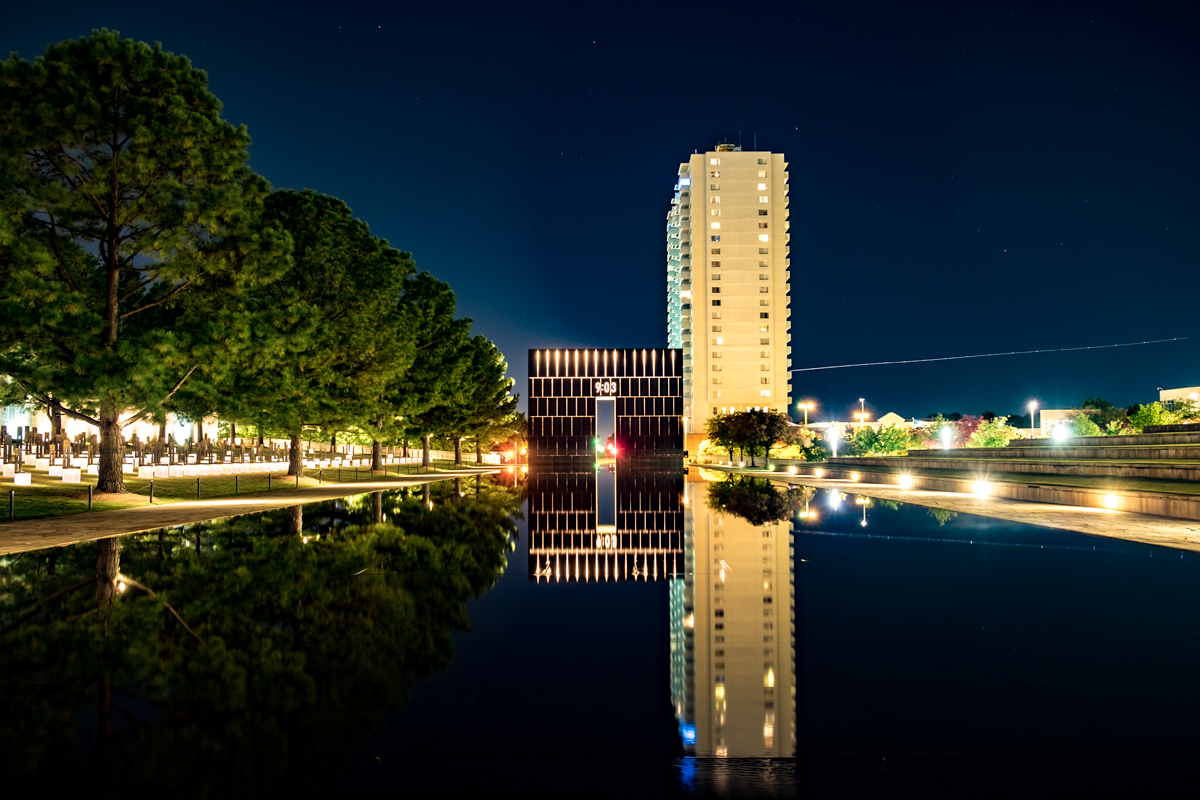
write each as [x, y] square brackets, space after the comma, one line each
[50, 497]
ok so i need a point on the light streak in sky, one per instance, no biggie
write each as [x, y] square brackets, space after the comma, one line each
[990, 355]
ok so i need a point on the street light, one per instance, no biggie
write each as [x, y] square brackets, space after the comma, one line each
[1032, 412]
[806, 407]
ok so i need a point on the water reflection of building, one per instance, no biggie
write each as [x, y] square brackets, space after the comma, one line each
[733, 635]
[605, 524]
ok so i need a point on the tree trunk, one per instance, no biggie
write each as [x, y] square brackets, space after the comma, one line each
[108, 567]
[478, 451]
[425, 494]
[295, 524]
[458, 452]
[405, 445]
[376, 455]
[458, 486]
[112, 451]
[377, 507]
[425, 459]
[477, 477]
[295, 463]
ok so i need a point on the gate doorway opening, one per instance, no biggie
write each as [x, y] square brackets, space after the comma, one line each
[606, 466]
[606, 430]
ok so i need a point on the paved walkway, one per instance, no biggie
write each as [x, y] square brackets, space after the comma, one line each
[35, 534]
[1182, 534]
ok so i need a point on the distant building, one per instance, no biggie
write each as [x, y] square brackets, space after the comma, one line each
[1168, 396]
[727, 284]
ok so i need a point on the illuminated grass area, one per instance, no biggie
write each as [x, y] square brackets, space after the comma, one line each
[50, 497]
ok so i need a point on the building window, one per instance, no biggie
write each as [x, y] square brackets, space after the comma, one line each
[762, 225]
[714, 187]
[717, 381]
[763, 276]
[764, 341]
[716, 265]
[717, 393]
[764, 302]
[716, 302]
[714, 174]
[716, 238]
[764, 289]
[762, 251]
[763, 354]
[716, 367]
[716, 315]
[718, 340]
[762, 212]
[764, 381]
[716, 226]
[762, 173]
[716, 328]
[716, 355]
[765, 329]
[716, 251]
[762, 161]
[762, 187]
[714, 161]
[714, 212]
[762, 237]
[764, 368]
[761, 314]
[762, 198]
[716, 289]
[765, 393]
[714, 199]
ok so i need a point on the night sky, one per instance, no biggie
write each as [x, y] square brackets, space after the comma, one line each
[964, 179]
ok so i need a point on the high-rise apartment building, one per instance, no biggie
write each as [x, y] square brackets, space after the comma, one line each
[728, 284]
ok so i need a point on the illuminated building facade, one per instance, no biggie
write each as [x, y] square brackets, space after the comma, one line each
[640, 389]
[733, 635]
[728, 273]
[605, 524]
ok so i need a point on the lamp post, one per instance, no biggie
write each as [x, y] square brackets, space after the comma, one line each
[806, 407]
[1032, 413]
[862, 409]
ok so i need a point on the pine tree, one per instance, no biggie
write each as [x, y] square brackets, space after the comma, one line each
[126, 204]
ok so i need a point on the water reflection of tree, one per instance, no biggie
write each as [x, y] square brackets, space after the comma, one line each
[941, 515]
[300, 647]
[757, 499]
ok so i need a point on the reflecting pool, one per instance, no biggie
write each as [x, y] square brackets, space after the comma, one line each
[652, 633]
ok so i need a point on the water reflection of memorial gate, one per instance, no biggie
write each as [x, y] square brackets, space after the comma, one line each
[644, 543]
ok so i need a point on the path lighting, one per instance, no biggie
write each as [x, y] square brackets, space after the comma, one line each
[981, 489]
[1061, 433]
[792, 470]
[1111, 501]
[854, 476]
[906, 481]
[1032, 412]
[820, 473]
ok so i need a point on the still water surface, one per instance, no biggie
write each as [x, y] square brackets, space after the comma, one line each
[710, 638]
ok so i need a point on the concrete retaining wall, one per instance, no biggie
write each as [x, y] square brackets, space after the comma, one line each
[1156, 503]
[1164, 472]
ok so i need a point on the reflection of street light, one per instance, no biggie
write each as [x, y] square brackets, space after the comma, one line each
[1032, 413]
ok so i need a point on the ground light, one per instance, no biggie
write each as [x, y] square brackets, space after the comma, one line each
[981, 489]
[1111, 501]
[906, 481]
